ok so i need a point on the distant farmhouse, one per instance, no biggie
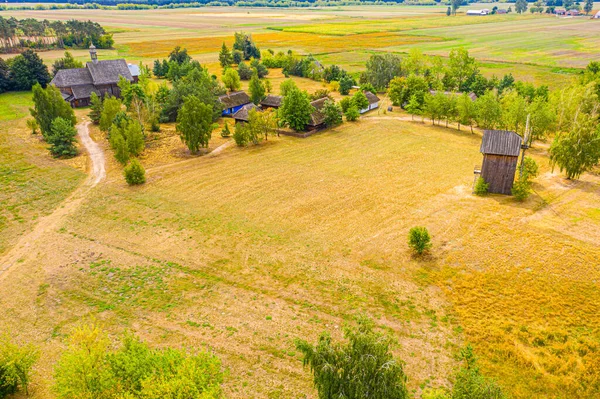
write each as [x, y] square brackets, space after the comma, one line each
[478, 12]
[101, 77]
[233, 102]
[243, 114]
[597, 16]
[271, 101]
[373, 102]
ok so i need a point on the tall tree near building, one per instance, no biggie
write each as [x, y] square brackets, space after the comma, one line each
[95, 108]
[256, 89]
[295, 110]
[48, 105]
[455, 5]
[110, 108]
[27, 69]
[245, 44]
[381, 69]
[488, 112]
[588, 7]
[194, 123]
[231, 79]
[67, 62]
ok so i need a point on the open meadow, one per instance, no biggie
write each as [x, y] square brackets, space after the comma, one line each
[244, 250]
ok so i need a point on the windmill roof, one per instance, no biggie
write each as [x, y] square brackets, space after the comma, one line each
[234, 99]
[501, 142]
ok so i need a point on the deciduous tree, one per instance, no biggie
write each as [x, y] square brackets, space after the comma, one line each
[362, 367]
[256, 89]
[194, 123]
[231, 79]
[67, 62]
[48, 105]
[332, 112]
[295, 110]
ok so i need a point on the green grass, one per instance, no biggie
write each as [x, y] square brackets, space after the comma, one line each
[14, 105]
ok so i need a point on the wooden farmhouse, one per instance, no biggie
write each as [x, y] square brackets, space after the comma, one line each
[271, 101]
[500, 151]
[101, 77]
[317, 118]
[233, 102]
[373, 102]
[243, 114]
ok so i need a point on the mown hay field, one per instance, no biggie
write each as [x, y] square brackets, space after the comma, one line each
[245, 251]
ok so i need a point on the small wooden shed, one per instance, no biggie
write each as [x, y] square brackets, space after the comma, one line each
[500, 149]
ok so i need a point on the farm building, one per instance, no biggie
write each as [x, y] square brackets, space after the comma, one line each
[501, 11]
[597, 15]
[271, 101]
[317, 119]
[373, 102]
[233, 102]
[500, 151]
[478, 12]
[572, 13]
[243, 114]
[560, 11]
[101, 77]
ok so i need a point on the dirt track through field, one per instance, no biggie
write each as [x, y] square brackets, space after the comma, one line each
[97, 173]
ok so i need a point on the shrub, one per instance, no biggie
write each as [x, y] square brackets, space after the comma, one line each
[419, 239]
[481, 187]
[33, 125]
[521, 189]
[530, 168]
[226, 132]
[88, 369]
[470, 383]
[240, 135]
[352, 113]
[16, 362]
[135, 173]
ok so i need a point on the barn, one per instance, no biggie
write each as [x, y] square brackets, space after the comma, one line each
[317, 118]
[500, 149]
[233, 102]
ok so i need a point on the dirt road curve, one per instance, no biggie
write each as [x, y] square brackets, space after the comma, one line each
[97, 173]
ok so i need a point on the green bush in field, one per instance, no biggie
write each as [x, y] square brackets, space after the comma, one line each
[352, 113]
[226, 132]
[90, 369]
[135, 173]
[16, 362]
[470, 383]
[481, 187]
[419, 239]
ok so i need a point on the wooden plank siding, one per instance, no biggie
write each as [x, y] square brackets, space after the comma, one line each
[499, 172]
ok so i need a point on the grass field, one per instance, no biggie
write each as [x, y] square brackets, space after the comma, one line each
[244, 251]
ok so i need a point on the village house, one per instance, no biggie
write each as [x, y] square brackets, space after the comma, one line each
[233, 102]
[242, 115]
[373, 102]
[271, 101]
[101, 77]
[317, 118]
[597, 15]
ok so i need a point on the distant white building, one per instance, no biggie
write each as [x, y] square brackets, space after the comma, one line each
[478, 12]
[373, 102]
[597, 16]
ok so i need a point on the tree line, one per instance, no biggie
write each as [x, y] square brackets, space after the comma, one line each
[72, 34]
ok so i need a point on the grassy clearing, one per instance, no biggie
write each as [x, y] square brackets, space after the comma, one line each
[31, 184]
[245, 251]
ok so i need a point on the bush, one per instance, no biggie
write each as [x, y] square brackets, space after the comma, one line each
[135, 173]
[470, 383]
[530, 168]
[226, 132]
[352, 113]
[240, 135]
[419, 239]
[481, 187]
[89, 369]
[16, 362]
[521, 189]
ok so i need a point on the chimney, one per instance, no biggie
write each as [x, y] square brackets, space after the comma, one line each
[93, 54]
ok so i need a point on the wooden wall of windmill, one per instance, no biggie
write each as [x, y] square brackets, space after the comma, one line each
[501, 150]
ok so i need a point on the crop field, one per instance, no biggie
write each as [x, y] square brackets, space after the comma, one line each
[243, 250]
[539, 48]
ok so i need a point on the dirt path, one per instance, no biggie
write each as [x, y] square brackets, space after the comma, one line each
[97, 173]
